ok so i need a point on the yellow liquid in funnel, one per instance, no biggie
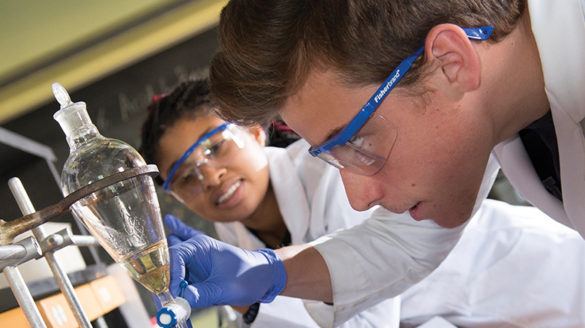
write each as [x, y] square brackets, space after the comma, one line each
[150, 267]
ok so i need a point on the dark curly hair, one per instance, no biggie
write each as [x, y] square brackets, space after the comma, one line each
[189, 100]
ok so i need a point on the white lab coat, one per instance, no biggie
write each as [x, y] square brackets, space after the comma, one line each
[559, 30]
[506, 253]
[385, 255]
[313, 203]
[551, 266]
[513, 267]
[385, 261]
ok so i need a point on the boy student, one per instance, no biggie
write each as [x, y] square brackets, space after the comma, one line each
[262, 196]
[445, 84]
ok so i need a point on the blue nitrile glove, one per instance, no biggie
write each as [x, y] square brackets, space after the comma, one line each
[179, 230]
[219, 273]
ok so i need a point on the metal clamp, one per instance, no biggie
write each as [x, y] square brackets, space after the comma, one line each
[64, 238]
[20, 252]
[11, 229]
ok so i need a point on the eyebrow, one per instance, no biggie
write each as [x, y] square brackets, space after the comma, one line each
[333, 133]
[198, 137]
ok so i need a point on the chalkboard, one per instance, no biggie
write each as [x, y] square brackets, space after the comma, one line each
[117, 105]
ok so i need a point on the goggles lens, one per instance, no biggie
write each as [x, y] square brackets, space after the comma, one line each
[366, 152]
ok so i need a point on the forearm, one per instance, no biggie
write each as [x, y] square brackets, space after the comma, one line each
[307, 275]
[241, 309]
[381, 258]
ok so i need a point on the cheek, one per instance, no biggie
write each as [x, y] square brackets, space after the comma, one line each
[255, 163]
[461, 170]
[252, 166]
[252, 156]
[258, 181]
[202, 208]
[434, 157]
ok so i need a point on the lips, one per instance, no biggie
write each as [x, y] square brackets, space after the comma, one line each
[227, 191]
[415, 212]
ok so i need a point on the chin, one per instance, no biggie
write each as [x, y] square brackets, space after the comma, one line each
[236, 216]
[453, 221]
[451, 224]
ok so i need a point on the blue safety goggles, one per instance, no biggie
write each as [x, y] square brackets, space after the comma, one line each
[189, 151]
[342, 153]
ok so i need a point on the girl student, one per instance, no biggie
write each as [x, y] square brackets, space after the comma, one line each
[272, 197]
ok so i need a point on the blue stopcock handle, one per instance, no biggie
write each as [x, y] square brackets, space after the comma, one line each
[166, 317]
[169, 316]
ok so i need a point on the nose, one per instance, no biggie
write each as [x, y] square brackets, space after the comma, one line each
[210, 175]
[362, 191]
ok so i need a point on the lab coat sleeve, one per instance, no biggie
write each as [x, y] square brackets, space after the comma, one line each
[226, 233]
[288, 312]
[284, 311]
[381, 258]
[385, 314]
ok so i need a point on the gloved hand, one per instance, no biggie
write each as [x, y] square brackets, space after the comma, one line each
[179, 230]
[219, 273]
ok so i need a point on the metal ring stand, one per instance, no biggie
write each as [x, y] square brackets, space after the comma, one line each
[44, 245]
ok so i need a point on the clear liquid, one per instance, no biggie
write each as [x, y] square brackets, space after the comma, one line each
[123, 217]
[150, 267]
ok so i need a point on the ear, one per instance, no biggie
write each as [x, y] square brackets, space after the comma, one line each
[449, 48]
[258, 133]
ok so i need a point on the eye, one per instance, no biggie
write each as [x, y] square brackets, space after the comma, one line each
[363, 142]
[188, 177]
[357, 141]
[213, 150]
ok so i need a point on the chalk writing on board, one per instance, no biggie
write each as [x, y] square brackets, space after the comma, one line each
[131, 106]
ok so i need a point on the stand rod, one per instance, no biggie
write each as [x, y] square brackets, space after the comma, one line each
[40, 234]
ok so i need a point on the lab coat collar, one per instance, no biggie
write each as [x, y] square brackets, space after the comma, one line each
[559, 31]
[290, 193]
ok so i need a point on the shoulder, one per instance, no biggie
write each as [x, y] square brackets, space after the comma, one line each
[299, 148]
[312, 171]
[297, 155]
